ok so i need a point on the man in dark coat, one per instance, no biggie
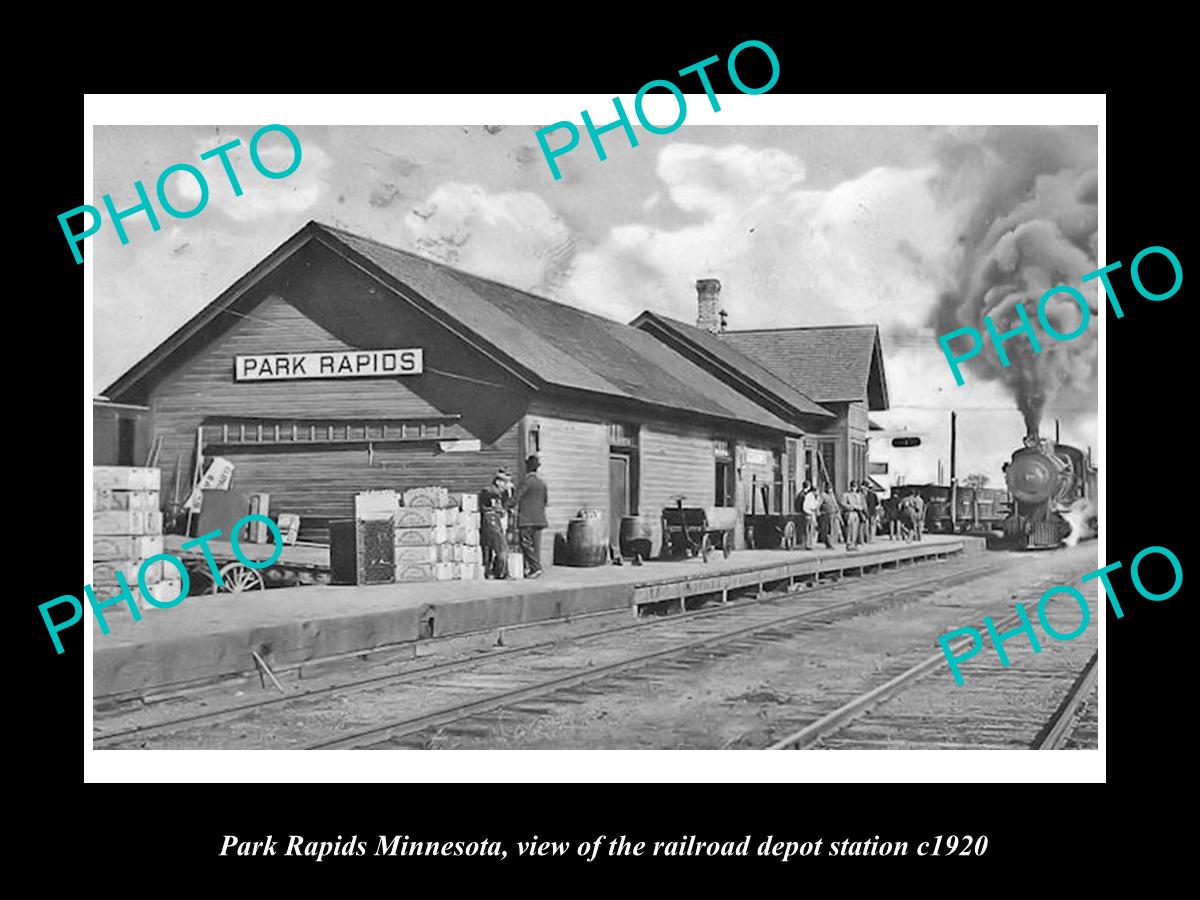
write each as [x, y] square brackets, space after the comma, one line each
[872, 520]
[493, 501]
[531, 516]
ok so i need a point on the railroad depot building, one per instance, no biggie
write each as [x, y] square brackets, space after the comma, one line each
[339, 365]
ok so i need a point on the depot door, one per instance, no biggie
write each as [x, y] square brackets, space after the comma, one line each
[619, 495]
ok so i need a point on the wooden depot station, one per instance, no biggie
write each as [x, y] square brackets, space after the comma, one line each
[338, 365]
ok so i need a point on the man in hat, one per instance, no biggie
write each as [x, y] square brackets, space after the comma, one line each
[531, 516]
[810, 506]
[493, 503]
[856, 508]
[830, 517]
[872, 519]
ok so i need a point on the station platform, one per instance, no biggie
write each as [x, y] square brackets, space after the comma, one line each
[209, 637]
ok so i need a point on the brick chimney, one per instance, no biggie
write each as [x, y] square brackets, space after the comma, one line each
[708, 292]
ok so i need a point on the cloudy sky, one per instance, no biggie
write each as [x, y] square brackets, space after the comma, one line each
[802, 225]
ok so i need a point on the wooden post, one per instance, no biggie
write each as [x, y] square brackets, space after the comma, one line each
[953, 470]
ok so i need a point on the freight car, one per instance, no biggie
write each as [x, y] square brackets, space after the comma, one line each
[978, 509]
[1053, 488]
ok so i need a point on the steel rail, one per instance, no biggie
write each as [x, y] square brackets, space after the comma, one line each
[239, 710]
[457, 712]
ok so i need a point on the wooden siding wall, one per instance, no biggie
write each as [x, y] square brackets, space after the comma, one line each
[318, 304]
[675, 460]
[574, 460]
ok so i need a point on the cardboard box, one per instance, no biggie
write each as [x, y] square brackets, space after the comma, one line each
[416, 537]
[109, 547]
[415, 517]
[127, 521]
[415, 572]
[469, 503]
[470, 572]
[445, 571]
[422, 554]
[470, 535]
[375, 505]
[112, 498]
[516, 565]
[105, 573]
[126, 478]
[471, 554]
[445, 553]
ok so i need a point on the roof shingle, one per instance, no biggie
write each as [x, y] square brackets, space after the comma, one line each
[831, 363]
[562, 345]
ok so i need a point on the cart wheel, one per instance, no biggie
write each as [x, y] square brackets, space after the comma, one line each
[789, 536]
[705, 547]
[727, 543]
[237, 578]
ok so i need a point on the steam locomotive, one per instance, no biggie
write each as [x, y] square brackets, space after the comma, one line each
[1053, 489]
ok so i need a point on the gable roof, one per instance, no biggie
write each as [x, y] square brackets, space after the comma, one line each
[736, 367]
[543, 343]
[832, 363]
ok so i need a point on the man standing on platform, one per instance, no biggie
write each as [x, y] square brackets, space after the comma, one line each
[493, 502]
[872, 503]
[531, 516]
[810, 506]
[830, 517]
[855, 510]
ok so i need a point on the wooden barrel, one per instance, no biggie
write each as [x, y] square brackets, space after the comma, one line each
[587, 541]
[636, 536]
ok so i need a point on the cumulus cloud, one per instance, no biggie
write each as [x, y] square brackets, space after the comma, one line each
[786, 254]
[262, 197]
[513, 236]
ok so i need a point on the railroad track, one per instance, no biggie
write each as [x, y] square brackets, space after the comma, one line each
[461, 694]
[865, 722]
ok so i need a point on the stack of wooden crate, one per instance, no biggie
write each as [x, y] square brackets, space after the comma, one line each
[436, 540]
[127, 530]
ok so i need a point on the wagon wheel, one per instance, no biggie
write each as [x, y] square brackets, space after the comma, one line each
[727, 543]
[237, 578]
[705, 547]
[789, 536]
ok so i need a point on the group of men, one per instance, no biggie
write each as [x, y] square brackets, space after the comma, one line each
[853, 519]
[505, 509]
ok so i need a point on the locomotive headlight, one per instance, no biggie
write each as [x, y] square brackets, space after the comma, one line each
[1032, 478]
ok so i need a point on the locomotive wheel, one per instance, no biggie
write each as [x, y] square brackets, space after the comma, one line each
[237, 578]
[789, 536]
[727, 543]
[705, 547]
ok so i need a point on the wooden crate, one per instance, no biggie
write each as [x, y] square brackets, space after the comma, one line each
[113, 547]
[127, 522]
[105, 573]
[415, 571]
[114, 498]
[422, 554]
[126, 478]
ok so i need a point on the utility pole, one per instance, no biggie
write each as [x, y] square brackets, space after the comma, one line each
[953, 470]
